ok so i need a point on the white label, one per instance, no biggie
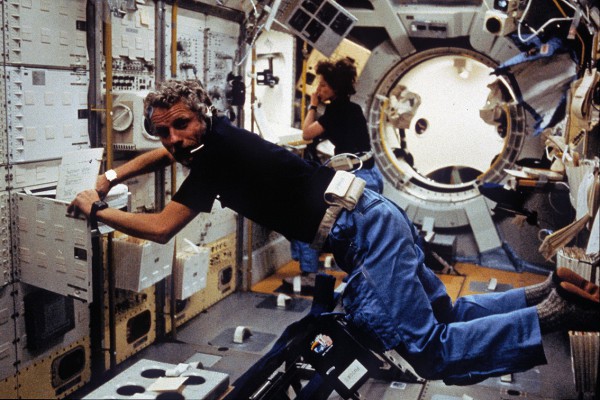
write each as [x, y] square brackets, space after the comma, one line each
[352, 374]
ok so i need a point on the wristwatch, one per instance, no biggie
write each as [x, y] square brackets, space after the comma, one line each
[311, 107]
[110, 175]
[96, 206]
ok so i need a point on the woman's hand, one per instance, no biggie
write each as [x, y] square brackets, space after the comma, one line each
[314, 99]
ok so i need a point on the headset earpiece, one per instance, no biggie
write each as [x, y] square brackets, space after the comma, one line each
[205, 111]
[148, 125]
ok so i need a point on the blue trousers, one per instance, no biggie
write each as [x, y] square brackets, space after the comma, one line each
[393, 298]
[372, 177]
[307, 257]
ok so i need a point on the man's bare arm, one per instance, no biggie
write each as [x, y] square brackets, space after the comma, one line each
[157, 227]
[147, 162]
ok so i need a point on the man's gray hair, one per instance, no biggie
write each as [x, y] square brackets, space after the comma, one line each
[189, 92]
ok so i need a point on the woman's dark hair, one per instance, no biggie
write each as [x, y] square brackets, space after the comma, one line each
[341, 76]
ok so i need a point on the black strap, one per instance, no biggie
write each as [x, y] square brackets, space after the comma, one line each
[96, 206]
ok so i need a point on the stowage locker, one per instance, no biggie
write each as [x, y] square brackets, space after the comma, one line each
[54, 249]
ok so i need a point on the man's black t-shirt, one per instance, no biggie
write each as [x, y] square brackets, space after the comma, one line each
[258, 179]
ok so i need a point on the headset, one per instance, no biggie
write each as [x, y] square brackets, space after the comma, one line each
[205, 111]
[205, 108]
[148, 125]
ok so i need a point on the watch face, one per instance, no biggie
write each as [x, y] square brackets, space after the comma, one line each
[111, 175]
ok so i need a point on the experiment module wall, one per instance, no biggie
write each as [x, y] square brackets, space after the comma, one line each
[45, 81]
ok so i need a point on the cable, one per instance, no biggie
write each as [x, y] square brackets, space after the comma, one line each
[548, 22]
[255, 32]
[576, 33]
[536, 32]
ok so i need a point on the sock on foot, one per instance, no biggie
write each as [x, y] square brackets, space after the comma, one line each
[535, 294]
[559, 314]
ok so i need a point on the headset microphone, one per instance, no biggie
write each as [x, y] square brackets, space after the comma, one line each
[195, 149]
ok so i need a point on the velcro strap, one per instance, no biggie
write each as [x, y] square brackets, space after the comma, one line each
[350, 161]
[327, 222]
[344, 190]
[343, 163]
[366, 156]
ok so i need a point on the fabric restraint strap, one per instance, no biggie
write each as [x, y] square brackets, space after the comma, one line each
[343, 191]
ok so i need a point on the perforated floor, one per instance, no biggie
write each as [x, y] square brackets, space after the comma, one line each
[205, 337]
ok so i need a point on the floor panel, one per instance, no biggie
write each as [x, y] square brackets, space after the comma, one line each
[209, 336]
